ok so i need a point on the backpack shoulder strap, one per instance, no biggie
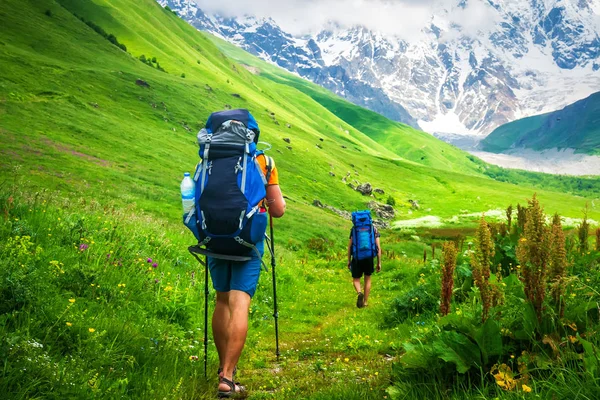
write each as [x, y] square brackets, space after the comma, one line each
[269, 164]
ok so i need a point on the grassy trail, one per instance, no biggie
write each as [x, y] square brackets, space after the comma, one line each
[338, 352]
[329, 348]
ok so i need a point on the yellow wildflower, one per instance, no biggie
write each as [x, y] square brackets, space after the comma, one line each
[526, 388]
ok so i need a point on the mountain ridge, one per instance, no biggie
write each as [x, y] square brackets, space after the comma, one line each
[540, 57]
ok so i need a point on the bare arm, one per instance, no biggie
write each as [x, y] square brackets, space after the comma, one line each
[275, 201]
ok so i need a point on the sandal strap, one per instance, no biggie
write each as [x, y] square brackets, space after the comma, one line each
[229, 383]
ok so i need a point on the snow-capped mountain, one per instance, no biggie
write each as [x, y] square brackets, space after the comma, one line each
[535, 56]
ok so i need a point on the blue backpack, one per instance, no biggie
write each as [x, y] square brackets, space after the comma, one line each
[363, 235]
[229, 215]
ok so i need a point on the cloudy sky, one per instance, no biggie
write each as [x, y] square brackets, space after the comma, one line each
[404, 18]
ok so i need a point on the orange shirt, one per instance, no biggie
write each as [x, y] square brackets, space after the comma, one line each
[274, 179]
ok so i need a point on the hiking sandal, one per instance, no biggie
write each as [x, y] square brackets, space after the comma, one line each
[235, 391]
[360, 300]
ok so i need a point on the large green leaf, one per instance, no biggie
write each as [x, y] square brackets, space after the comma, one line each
[417, 356]
[489, 339]
[529, 322]
[456, 348]
[590, 357]
[460, 323]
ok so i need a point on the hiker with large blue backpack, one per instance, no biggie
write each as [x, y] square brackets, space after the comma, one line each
[234, 187]
[363, 247]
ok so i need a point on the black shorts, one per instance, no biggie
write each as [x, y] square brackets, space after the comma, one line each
[360, 267]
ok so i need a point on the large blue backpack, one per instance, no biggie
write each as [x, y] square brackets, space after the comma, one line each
[363, 235]
[229, 215]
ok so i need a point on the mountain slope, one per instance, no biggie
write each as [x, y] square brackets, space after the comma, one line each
[576, 126]
[81, 116]
[408, 143]
[533, 56]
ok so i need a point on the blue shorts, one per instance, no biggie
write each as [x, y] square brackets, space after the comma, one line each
[232, 275]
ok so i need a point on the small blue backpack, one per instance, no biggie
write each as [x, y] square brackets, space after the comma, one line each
[229, 215]
[363, 236]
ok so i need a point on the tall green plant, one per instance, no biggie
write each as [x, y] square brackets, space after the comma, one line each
[449, 252]
[558, 264]
[480, 264]
[583, 233]
[533, 252]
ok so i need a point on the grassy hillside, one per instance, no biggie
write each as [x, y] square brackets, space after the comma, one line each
[575, 126]
[96, 130]
[94, 142]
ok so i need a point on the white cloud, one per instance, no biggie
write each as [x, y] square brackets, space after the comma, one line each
[403, 18]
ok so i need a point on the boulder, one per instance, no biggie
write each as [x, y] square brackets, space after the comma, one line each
[383, 211]
[379, 224]
[141, 82]
[414, 204]
[341, 213]
[287, 140]
[380, 191]
[365, 188]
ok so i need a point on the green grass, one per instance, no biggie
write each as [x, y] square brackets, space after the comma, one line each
[81, 141]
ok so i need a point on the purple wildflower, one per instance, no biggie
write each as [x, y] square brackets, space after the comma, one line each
[154, 265]
[108, 255]
[156, 281]
[149, 260]
[83, 247]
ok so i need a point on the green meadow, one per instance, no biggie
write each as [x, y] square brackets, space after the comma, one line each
[100, 103]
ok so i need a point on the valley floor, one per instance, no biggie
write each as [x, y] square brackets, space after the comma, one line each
[553, 161]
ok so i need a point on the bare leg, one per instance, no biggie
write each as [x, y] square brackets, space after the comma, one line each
[356, 283]
[367, 288]
[237, 329]
[220, 322]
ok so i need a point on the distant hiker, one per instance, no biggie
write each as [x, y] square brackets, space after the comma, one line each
[363, 247]
[233, 176]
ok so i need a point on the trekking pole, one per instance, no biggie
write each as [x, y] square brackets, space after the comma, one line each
[205, 315]
[275, 312]
[194, 251]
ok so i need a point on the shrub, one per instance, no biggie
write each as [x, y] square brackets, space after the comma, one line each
[390, 201]
[418, 300]
[48, 13]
